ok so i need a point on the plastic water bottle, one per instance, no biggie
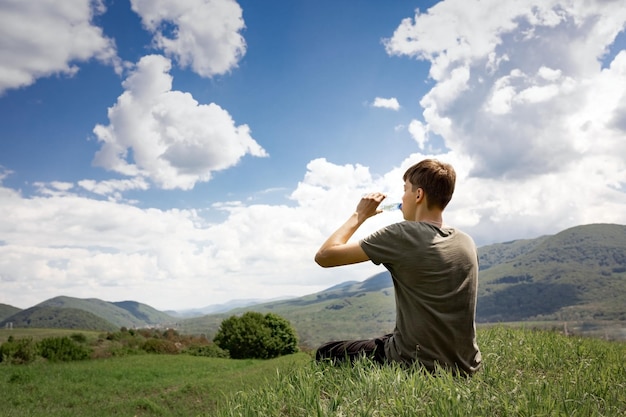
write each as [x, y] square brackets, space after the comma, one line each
[390, 207]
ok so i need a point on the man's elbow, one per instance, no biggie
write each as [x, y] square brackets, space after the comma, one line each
[323, 260]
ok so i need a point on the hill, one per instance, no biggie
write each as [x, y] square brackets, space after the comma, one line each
[576, 275]
[498, 253]
[69, 312]
[7, 311]
[56, 317]
[218, 308]
[145, 313]
[368, 306]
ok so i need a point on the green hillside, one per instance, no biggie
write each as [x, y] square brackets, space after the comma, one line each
[367, 306]
[7, 311]
[498, 253]
[576, 275]
[144, 312]
[109, 312]
[56, 317]
[70, 313]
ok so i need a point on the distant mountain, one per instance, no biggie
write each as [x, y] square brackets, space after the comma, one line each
[217, 308]
[108, 311]
[502, 252]
[69, 312]
[145, 313]
[7, 311]
[578, 274]
[57, 317]
[353, 309]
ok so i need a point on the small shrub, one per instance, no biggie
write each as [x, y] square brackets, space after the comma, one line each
[107, 349]
[211, 351]
[160, 346]
[127, 339]
[79, 337]
[18, 351]
[171, 334]
[62, 349]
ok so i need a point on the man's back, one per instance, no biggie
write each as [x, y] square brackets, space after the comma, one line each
[435, 273]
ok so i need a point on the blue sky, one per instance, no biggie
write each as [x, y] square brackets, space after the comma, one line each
[186, 153]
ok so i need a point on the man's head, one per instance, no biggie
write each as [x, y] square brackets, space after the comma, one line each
[435, 178]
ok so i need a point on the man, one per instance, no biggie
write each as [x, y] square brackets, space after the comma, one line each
[434, 270]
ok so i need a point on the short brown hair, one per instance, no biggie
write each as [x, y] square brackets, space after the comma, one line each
[436, 178]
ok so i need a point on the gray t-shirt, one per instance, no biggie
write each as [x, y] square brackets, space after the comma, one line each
[435, 276]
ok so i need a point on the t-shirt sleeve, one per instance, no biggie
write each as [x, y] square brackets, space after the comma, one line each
[379, 246]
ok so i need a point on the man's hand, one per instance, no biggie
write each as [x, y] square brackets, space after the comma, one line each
[368, 206]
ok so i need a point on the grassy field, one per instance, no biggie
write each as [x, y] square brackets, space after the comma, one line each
[137, 385]
[526, 373]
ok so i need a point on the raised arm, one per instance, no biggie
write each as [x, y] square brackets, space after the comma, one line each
[336, 250]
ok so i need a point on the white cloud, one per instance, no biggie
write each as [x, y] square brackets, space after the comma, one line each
[510, 75]
[386, 103]
[83, 247]
[45, 37]
[78, 246]
[113, 189]
[205, 35]
[58, 188]
[166, 135]
[419, 132]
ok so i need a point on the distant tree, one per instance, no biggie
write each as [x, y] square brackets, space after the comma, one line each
[254, 335]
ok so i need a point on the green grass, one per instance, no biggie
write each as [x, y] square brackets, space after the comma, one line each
[526, 373]
[137, 385]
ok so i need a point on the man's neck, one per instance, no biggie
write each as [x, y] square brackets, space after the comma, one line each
[434, 217]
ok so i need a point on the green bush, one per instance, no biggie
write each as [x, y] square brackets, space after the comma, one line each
[210, 351]
[18, 351]
[160, 346]
[79, 337]
[254, 335]
[127, 339]
[283, 339]
[62, 349]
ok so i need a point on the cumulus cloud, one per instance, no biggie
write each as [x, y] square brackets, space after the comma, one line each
[71, 244]
[200, 34]
[48, 37]
[509, 76]
[166, 135]
[386, 103]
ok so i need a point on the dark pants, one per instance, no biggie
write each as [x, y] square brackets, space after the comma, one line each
[351, 350]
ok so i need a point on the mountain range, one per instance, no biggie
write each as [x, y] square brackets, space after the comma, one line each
[578, 274]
